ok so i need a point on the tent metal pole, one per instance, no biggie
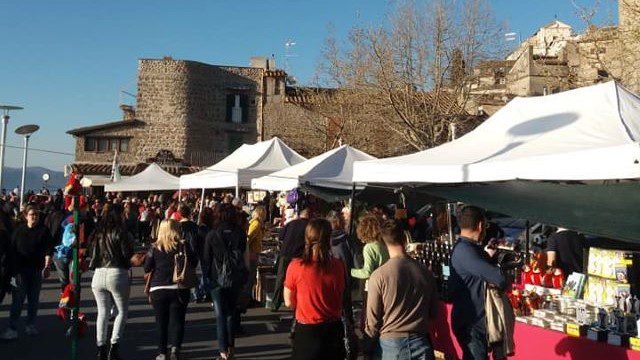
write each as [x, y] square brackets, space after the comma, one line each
[526, 242]
[352, 201]
[450, 221]
[237, 190]
[201, 203]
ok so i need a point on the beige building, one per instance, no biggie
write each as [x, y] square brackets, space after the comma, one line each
[556, 59]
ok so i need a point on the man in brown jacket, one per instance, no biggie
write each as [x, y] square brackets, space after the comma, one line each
[402, 298]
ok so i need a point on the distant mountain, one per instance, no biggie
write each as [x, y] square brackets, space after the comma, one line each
[33, 179]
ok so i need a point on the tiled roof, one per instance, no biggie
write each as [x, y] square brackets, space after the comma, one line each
[129, 170]
[109, 125]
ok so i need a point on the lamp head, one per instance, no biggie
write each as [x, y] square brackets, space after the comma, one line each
[27, 130]
[6, 108]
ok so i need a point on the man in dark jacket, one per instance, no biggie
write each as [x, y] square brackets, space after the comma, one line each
[292, 240]
[5, 277]
[471, 271]
[191, 234]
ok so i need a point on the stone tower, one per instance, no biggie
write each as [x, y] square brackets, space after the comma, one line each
[629, 35]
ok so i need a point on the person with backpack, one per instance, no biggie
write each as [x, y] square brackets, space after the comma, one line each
[225, 272]
[168, 296]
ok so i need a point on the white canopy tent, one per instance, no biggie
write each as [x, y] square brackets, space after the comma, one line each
[153, 178]
[332, 169]
[240, 167]
[590, 133]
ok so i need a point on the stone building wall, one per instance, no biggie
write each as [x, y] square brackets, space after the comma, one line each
[302, 129]
[163, 104]
[135, 134]
[184, 104]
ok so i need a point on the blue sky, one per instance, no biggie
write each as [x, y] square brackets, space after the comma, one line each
[67, 61]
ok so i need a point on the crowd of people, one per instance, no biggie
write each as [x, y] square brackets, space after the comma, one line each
[209, 253]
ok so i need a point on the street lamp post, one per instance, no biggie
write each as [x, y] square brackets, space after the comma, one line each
[26, 131]
[5, 120]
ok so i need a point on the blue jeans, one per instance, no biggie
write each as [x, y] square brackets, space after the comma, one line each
[473, 340]
[29, 282]
[224, 304]
[412, 347]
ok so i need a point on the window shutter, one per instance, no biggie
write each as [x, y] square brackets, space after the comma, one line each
[244, 104]
[230, 103]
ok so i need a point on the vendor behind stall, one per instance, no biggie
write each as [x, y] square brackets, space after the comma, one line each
[565, 250]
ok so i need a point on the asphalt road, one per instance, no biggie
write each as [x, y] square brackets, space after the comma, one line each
[266, 335]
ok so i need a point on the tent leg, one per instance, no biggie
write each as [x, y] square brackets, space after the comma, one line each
[526, 242]
[237, 190]
[179, 194]
[202, 202]
[450, 221]
[352, 201]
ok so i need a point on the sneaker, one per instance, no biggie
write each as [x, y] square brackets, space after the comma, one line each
[161, 357]
[31, 330]
[9, 334]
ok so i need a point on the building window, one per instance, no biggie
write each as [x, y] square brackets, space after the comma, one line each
[90, 144]
[276, 89]
[234, 141]
[104, 144]
[237, 108]
[124, 145]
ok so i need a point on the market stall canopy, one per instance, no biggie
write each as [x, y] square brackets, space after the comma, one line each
[153, 178]
[589, 133]
[244, 164]
[332, 169]
[608, 209]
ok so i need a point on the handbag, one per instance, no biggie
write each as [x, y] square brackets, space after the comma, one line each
[183, 273]
[138, 259]
[147, 284]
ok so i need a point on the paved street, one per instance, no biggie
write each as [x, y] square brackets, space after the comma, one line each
[266, 337]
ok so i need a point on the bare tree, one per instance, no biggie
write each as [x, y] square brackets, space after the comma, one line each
[611, 51]
[411, 74]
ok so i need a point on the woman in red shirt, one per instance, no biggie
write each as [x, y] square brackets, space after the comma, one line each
[313, 287]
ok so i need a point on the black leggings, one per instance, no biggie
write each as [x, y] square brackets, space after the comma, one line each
[318, 341]
[170, 306]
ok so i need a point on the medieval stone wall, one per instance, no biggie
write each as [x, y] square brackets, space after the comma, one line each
[184, 104]
[303, 130]
[163, 104]
[131, 156]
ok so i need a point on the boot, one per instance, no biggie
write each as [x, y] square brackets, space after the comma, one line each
[113, 352]
[103, 352]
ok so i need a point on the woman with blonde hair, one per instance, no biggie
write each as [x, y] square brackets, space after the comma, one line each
[314, 286]
[168, 299]
[254, 242]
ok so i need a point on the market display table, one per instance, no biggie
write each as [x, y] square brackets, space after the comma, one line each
[533, 343]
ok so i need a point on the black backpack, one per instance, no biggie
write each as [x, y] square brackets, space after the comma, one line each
[228, 268]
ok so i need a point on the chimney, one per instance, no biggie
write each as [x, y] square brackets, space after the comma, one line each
[259, 62]
[271, 63]
[128, 112]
